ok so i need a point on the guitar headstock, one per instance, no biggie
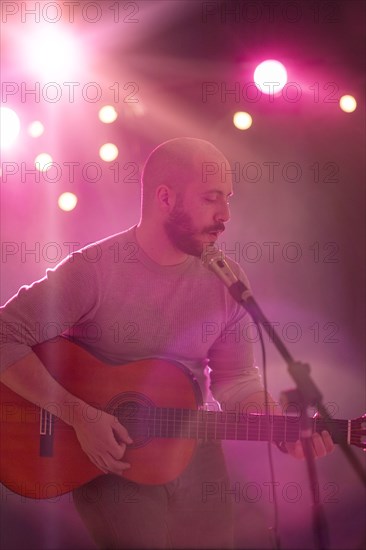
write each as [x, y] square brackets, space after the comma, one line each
[358, 432]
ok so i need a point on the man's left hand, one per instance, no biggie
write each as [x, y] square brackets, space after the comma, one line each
[322, 444]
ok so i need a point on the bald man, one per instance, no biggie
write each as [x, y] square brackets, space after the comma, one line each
[150, 278]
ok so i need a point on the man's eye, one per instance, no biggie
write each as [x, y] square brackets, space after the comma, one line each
[210, 200]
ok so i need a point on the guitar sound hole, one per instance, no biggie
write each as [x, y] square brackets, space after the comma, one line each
[132, 410]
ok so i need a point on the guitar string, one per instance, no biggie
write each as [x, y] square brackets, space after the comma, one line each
[185, 433]
[278, 421]
[255, 426]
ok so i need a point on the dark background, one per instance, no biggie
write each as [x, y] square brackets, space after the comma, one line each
[312, 210]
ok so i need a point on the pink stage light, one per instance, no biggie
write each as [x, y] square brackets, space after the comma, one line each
[52, 53]
[43, 162]
[10, 127]
[270, 76]
[35, 129]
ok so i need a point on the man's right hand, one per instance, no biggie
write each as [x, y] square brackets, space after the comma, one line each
[104, 441]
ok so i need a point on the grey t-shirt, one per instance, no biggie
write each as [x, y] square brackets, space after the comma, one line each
[122, 306]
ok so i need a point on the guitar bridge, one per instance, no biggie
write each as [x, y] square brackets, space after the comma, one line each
[46, 421]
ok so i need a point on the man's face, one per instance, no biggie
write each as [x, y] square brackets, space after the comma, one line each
[199, 214]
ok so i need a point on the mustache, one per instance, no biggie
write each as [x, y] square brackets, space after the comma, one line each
[217, 227]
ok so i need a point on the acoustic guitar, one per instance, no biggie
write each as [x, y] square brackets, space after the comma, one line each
[158, 401]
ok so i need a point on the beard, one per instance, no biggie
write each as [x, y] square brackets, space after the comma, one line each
[183, 234]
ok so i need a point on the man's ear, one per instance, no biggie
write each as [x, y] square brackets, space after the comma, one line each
[166, 197]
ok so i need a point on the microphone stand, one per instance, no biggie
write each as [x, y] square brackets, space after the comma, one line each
[306, 394]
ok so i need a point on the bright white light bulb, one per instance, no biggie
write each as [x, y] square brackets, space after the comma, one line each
[35, 129]
[52, 53]
[242, 120]
[108, 152]
[43, 162]
[348, 103]
[270, 76]
[108, 114]
[67, 201]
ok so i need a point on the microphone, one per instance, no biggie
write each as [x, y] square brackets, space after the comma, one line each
[215, 260]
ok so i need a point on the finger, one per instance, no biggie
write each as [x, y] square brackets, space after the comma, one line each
[296, 450]
[116, 448]
[98, 464]
[299, 450]
[328, 441]
[117, 451]
[116, 466]
[318, 445]
[107, 464]
[121, 433]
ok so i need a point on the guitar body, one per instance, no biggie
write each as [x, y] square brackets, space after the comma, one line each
[48, 465]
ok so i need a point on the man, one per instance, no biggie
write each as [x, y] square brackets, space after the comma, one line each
[149, 278]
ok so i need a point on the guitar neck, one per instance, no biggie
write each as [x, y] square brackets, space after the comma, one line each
[211, 425]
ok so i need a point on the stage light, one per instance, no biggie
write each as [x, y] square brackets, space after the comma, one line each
[108, 114]
[52, 53]
[242, 120]
[10, 127]
[35, 129]
[348, 103]
[43, 162]
[108, 152]
[67, 201]
[270, 76]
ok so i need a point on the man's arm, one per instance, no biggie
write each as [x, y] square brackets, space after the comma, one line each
[103, 441]
[65, 295]
[235, 379]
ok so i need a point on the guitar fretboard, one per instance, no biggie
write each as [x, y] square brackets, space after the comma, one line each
[210, 425]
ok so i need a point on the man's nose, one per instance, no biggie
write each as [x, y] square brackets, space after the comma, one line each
[223, 215]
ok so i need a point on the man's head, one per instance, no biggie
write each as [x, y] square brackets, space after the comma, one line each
[185, 187]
